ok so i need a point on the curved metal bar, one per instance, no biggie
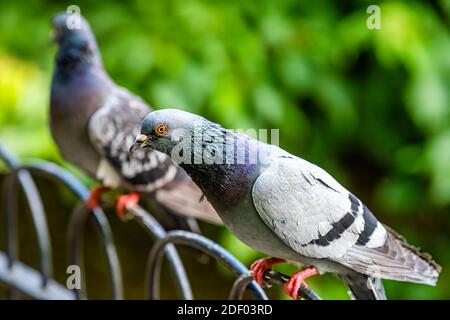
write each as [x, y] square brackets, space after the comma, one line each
[40, 224]
[239, 286]
[8, 158]
[75, 230]
[113, 259]
[34, 201]
[149, 223]
[28, 282]
[203, 244]
[57, 173]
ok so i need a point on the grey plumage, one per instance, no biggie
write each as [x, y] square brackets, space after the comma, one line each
[289, 208]
[94, 123]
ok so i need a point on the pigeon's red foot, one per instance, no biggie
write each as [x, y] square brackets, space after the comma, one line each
[94, 197]
[125, 202]
[259, 267]
[293, 285]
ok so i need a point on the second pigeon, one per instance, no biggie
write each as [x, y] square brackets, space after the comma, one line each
[94, 123]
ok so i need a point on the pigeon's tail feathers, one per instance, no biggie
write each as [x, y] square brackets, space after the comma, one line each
[363, 287]
[185, 199]
[423, 269]
[395, 260]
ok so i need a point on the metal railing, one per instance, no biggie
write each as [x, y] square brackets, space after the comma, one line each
[39, 284]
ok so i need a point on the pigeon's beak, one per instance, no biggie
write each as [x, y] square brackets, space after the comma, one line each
[140, 142]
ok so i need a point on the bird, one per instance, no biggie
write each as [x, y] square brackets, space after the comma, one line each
[94, 122]
[286, 207]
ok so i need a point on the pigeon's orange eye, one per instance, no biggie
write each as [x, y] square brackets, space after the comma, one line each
[161, 129]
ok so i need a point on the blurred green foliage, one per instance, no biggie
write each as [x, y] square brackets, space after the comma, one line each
[370, 106]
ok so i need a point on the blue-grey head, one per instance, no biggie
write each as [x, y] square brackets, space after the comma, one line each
[190, 139]
[203, 149]
[163, 130]
[77, 45]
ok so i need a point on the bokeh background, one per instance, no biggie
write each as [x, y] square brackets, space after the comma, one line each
[372, 107]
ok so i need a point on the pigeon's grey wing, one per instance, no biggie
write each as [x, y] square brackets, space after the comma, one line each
[317, 217]
[112, 130]
[310, 211]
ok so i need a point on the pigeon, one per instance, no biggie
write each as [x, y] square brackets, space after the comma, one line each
[94, 122]
[286, 207]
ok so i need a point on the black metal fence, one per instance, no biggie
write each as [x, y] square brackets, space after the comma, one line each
[21, 279]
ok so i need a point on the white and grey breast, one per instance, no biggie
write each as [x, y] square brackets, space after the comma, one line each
[112, 130]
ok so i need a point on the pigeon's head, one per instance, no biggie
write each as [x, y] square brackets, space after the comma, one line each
[163, 130]
[75, 39]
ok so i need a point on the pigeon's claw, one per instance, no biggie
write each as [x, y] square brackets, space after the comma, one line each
[125, 202]
[259, 268]
[93, 200]
[293, 285]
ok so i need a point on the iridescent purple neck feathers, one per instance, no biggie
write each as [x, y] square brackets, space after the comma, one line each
[229, 165]
[225, 185]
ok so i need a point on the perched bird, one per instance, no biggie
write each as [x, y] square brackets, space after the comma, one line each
[94, 122]
[286, 207]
